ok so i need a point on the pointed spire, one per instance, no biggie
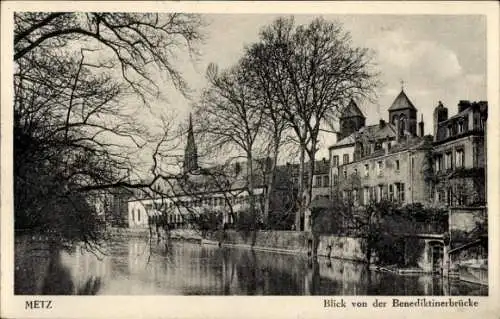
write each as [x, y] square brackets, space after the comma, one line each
[191, 152]
[190, 129]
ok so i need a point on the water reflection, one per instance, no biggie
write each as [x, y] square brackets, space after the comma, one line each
[141, 267]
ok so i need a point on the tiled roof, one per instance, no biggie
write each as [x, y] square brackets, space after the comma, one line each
[412, 142]
[377, 132]
[370, 132]
[402, 102]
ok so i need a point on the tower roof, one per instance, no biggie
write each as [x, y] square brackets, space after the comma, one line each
[402, 102]
[190, 153]
[352, 110]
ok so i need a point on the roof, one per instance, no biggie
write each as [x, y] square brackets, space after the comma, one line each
[402, 102]
[370, 132]
[352, 110]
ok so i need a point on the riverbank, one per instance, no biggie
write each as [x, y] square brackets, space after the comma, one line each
[294, 243]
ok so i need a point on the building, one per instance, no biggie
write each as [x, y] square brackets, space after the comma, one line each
[459, 154]
[220, 191]
[459, 181]
[373, 162]
[395, 174]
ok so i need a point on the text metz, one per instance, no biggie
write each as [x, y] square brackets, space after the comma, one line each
[38, 304]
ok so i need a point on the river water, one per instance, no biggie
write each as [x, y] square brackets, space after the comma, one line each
[142, 267]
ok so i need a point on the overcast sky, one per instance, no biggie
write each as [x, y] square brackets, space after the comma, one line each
[439, 58]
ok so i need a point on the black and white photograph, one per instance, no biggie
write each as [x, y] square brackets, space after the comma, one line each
[165, 153]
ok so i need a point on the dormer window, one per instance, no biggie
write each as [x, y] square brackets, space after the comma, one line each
[460, 126]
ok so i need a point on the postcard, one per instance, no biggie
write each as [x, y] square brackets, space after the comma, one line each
[249, 159]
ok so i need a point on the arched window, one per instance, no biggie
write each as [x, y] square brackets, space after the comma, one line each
[402, 124]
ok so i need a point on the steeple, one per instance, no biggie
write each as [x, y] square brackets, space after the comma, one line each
[403, 114]
[191, 152]
[351, 120]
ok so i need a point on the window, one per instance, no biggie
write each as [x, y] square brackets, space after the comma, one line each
[449, 196]
[380, 192]
[461, 195]
[475, 155]
[397, 165]
[138, 215]
[391, 192]
[326, 181]
[356, 171]
[367, 170]
[335, 161]
[379, 167]
[402, 125]
[448, 160]
[373, 193]
[366, 195]
[438, 162]
[483, 123]
[459, 158]
[345, 159]
[460, 126]
[335, 180]
[355, 195]
[439, 195]
[317, 181]
[401, 191]
[345, 173]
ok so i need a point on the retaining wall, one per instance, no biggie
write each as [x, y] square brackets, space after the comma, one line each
[342, 247]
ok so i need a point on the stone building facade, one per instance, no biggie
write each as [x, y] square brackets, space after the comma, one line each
[394, 174]
[459, 155]
[379, 161]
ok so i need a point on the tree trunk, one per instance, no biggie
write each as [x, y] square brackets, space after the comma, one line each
[270, 181]
[250, 189]
[308, 189]
[300, 206]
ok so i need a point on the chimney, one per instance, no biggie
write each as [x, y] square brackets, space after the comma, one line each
[463, 104]
[421, 126]
[382, 124]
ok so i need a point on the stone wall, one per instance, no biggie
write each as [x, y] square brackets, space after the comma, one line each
[342, 247]
[287, 241]
[296, 242]
[465, 219]
[32, 256]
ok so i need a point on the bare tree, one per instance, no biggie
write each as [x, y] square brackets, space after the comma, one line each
[274, 125]
[75, 126]
[230, 119]
[313, 72]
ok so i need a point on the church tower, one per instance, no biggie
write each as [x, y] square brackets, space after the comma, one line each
[191, 152]
[351, 120]
[403, 114]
